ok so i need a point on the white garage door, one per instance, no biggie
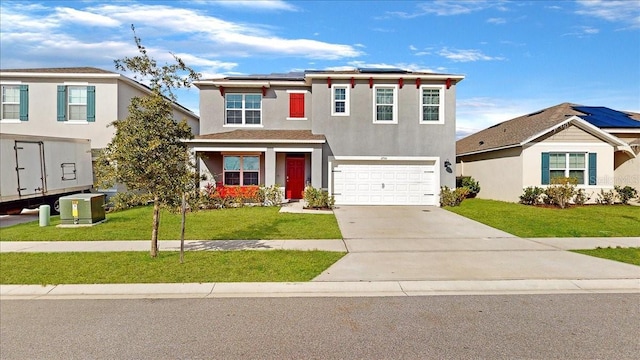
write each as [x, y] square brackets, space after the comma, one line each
[388, 184]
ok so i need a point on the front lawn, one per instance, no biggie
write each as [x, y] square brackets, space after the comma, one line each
[139, 267]
[530, 221]
[625, 255]
[247, 223]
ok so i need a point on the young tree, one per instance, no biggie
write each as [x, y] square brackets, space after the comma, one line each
[147, 153]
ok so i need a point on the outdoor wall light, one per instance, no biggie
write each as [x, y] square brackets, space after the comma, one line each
[447, 166]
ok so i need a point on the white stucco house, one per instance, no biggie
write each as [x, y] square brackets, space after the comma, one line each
[596, 145]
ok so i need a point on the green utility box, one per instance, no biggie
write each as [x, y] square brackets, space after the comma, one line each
[82, 209]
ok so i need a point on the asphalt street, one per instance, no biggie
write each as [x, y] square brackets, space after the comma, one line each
[589, 326]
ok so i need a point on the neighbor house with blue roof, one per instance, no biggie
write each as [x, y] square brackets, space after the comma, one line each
[596, 145]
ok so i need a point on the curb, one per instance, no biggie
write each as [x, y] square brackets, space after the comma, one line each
[318, 289]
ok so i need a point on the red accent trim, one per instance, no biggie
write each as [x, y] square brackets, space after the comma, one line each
[418, 82]
[264, 91]
[370, 82]
[222, 90]
[353, 82]
[329, 81]
[448, 83]
[401, 82]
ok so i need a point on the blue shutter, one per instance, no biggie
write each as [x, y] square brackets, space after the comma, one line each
[91, 103]
[62, 103]
[24, 102]
[545, 169]
[593, 166]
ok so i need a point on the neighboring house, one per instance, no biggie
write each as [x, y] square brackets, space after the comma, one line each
[596, 145]
[77, 102]
[368, 136]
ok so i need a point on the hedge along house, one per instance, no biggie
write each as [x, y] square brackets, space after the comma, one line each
[596, 145]
[368, 136]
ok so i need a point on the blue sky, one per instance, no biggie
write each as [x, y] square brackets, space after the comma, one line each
[517, 56]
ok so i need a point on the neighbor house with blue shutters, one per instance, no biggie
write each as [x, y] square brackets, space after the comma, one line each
[78, 102]
[596, 145]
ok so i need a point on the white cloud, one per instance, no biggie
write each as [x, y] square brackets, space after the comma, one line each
[84, 17]
[257, 4]
[466, 55]
[497, 21]
[625, 11]
[450, 8]
[582, 31]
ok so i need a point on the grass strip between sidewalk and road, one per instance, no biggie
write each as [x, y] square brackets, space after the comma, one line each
[625, 255]
[247, 223]
[532, 221]
[138, 267]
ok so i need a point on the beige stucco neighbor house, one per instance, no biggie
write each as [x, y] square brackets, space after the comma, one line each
[597, 145]
[76, 102]
[367, 136]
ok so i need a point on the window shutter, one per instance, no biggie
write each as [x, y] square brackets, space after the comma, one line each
[24, 102]
[91, 103]
[545, 169]
[593, 166]
[296, 105]
[62, 103]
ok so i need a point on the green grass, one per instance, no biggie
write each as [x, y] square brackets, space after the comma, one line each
[139, 267]
[625, 255]
[531, 221]
[250, 223]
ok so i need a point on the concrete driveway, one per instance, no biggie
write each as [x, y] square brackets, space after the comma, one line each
[394, 243]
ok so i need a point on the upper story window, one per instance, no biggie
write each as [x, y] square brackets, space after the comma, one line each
[340, 100]
[432, 105]
[243, 109]
[385, 104]
[76, 103]
[296, 105]
[15, 103]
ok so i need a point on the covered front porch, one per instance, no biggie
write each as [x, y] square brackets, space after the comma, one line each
[290, 159]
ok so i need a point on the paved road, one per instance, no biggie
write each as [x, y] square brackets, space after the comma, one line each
[26, 216]
[589, 326]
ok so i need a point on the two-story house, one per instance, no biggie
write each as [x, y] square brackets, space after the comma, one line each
[368, 136]
[77, 102]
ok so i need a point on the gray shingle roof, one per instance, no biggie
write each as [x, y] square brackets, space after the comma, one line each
[65, 70]
[286, 135]
[515, 131]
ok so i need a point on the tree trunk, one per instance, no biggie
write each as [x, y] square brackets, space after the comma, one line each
[156, 225]
[183, 210]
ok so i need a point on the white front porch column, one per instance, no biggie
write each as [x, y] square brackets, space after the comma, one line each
[269, 167]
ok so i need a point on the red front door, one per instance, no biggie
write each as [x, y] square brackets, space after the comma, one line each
[295, 178]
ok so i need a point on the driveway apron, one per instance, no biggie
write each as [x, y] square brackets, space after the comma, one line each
[395, 243]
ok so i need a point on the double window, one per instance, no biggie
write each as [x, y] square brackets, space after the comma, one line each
[580, 166]
[76, 103]
[243, 109]
[432, 105]
[385, 108]
[15, 102]
[340, 100]
[241, 170]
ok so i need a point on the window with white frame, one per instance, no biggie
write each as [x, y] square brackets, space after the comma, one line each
[432, 105]
[340, 100]
[385, 109]
[243, 109]
[573, 165]
[241, 170]
[10, 102]
[77, 103]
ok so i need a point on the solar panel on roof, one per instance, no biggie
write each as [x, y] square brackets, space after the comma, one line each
[603, 117]
[382, 70]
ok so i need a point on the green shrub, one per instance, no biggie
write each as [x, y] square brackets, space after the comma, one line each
[532, 195]
[318, 198]
[580, 197]
[270, 195]
[452, 197]
[560, 195]
[469, 183]
[626, 193]
[606, 197]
